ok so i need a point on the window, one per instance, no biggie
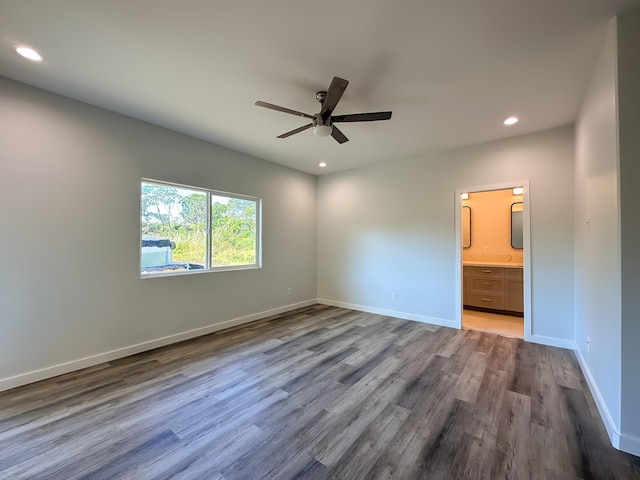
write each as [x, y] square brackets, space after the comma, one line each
[185, 229]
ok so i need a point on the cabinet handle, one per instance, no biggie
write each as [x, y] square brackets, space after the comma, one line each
[487, 283]
[486, 271]
[486, 299]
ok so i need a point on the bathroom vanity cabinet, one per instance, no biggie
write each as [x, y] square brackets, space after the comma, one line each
[496, 288]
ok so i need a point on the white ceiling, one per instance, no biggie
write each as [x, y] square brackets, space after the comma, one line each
[450, 70]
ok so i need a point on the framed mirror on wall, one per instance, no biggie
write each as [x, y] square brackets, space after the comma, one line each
[466, 227]
[517, 225]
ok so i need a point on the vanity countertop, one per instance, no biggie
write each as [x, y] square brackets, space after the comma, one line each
[492, 264]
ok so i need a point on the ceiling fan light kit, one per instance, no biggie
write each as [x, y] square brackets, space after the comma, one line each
[322, 123]
[322, 130]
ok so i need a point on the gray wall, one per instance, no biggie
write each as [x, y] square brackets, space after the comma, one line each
[629, 145]
[607, 257]
[390, 227]
[70, 291]
[597, 248]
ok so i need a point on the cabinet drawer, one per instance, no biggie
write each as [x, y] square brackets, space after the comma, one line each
[487, 284]
[488, 300]
[485, 272]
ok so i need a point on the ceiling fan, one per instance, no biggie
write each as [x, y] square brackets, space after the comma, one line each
[323, 122]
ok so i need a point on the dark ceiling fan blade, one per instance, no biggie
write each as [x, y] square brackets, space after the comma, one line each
[283, 109]
[293, 132]
[361, 117]
[338, 135]
[334, 94]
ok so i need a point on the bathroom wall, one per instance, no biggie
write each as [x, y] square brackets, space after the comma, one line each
[491, 227]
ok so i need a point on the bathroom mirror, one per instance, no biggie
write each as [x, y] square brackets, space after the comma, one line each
[466, 227]
[516, 225]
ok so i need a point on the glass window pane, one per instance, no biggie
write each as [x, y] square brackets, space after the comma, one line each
[233, 231]
[174, 228]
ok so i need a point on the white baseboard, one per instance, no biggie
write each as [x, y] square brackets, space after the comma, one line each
[55, 370]
[621, 441]
[629, 444]
[614, 434]
[551, 341]
[391, 313]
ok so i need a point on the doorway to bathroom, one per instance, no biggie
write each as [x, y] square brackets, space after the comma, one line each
[494, 239]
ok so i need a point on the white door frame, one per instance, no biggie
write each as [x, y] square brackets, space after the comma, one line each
[526, 253]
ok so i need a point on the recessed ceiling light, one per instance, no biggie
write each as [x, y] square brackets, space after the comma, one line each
[322, 164]
[511, 121]
[29, 53]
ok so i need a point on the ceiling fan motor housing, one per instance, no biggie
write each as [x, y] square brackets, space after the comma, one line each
[318, 120]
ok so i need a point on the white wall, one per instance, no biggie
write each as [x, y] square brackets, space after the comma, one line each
[607, 257]
[629, 148]
[69, 209]
[597, 251]
[390, 227]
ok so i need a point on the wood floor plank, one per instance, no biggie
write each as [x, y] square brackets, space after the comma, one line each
[478, 459]
[444, 451]
[428, 380]
[512, 460]
[488, 406]
[549, 454]
[356, 462]
[303, 467]
[565, 368]
[279, 449]
[316, 393]
[366, 386]
[547, 408]
[350, 427]
[587, 446]
[195, 458]
[524, 370]
[400, 459]
[470, 378]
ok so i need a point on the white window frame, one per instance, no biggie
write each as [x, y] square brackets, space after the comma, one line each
[208, 268]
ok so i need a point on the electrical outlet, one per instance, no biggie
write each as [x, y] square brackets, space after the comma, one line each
[394, 296]
[588, 224]
[588, 344]
[289, 291]
[486, 249]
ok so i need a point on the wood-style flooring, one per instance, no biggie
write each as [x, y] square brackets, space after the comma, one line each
[508, 325]
[318, 393]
